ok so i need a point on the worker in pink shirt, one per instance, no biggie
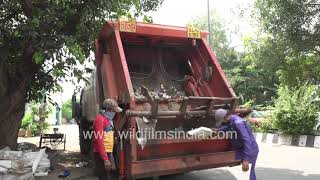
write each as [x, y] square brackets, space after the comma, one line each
[104, 137]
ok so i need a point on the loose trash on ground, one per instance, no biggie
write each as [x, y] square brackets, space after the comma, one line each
[81, 164]
[64, 174]
[25, 146]
[23, 165]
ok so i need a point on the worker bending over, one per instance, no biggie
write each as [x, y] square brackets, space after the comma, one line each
[245, 144]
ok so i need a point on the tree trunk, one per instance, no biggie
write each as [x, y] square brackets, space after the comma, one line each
[12, 110]
[13, 90]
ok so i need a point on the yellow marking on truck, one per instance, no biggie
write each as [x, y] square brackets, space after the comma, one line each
[193, 32]
[128, 25]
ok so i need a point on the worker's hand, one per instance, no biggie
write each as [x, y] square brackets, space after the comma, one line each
[107, 164]
[215, 129]
[245, 165]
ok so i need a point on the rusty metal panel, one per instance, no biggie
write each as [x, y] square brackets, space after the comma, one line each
[119, 65]
[151, 29]
[164, 156]
[97, 53]
[108, 77]
[126, 90]
[166, 148]
[182, 164]
[219, 81]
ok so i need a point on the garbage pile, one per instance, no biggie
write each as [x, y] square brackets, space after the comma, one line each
[164, 93]
[25, 146]
[23, 165]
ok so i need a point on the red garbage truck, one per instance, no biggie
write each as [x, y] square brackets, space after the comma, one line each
[164, 77]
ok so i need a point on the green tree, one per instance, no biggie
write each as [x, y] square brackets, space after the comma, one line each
[34, 119]
[255, 76]
[219, 43]
[273, 56]
[67, 110]
[294, 26]
[41, 41]
[245, 70]
[295, 21]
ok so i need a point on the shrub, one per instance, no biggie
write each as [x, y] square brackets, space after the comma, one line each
[294, 111]
[34, 120]
[27, 121]
[253, 126]
[263, 126]
[38, 127]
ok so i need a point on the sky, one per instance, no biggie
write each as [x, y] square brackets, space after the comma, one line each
[235, 15]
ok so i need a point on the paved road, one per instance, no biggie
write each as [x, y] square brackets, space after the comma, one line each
[275, 163]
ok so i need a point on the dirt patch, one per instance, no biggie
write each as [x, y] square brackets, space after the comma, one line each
[65, 160]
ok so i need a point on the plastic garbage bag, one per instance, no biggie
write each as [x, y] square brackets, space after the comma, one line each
[201, 132]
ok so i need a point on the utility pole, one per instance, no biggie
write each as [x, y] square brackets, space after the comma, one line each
[208, 5]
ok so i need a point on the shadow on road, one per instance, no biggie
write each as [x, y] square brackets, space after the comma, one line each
[283, 174]
[262, 174]
[217, 174]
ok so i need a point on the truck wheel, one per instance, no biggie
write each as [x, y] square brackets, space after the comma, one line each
[85, 142]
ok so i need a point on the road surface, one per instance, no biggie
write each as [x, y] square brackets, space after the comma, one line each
[275, 162]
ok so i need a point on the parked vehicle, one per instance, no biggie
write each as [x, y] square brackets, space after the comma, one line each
[169, 77]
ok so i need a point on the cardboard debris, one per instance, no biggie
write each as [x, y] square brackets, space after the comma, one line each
[22, 165]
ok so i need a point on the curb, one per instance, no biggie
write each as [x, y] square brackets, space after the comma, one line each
[290, 140]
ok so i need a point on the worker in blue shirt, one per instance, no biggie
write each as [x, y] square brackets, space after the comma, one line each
[245, 144]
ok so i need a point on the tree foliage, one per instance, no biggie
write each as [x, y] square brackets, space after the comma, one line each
[280, 53]
[46, 40]
[218, 40]
[67, 110]
[245, 70]
[294, 27]
[34, 120]
[43, 42]
[256, 74]
[295, 21]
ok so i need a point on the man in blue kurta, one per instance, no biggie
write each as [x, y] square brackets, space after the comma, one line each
[245, 144]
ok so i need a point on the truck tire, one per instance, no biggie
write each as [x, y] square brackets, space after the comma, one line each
[85, 141]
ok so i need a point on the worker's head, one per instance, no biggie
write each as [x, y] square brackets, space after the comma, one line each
[221, 116]
[111, 105]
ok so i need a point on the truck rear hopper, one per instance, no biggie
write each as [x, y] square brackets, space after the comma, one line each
[125, 60]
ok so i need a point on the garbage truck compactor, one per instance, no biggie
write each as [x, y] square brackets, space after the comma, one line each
[168, 82]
